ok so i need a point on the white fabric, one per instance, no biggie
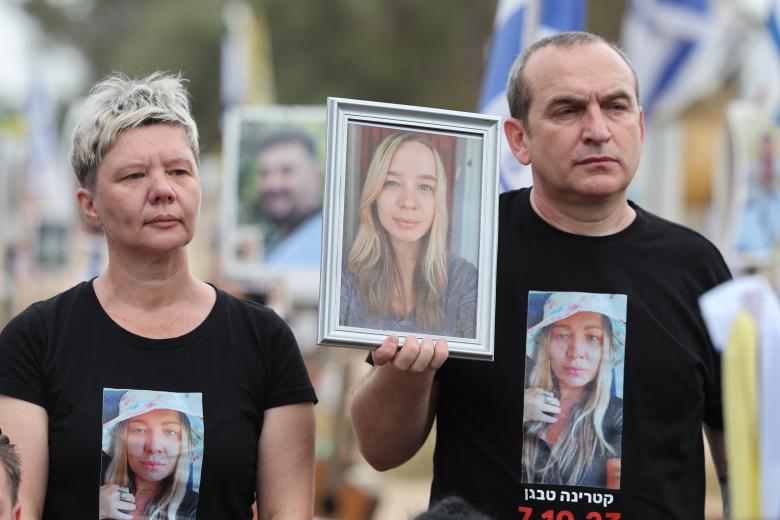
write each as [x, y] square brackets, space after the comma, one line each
[719, 308]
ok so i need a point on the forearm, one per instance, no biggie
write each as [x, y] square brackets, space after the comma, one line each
[392, 412]
[285, 478]
[717, 445]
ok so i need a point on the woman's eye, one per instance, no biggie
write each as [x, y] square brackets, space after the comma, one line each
[391, 184]
[172, 433]
[426, 187]
[137, 429]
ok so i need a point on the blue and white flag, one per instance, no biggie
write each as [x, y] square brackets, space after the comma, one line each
[682, 51]
[518, 24]
[773, 30]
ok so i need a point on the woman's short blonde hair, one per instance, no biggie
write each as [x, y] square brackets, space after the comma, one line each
[118, 103]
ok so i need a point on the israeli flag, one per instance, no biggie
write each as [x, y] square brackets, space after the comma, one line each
[519, 23]
[773, 29]
[682, 51]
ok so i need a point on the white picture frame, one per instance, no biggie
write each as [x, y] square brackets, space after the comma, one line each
[467, 147]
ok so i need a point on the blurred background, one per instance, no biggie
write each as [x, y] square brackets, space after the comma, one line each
[710, 86]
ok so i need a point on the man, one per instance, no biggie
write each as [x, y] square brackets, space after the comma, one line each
[10, 476]
[576, 120]
[288, 186]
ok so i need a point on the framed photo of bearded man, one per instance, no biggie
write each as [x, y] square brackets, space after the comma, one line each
[271, 211]
[409, 234]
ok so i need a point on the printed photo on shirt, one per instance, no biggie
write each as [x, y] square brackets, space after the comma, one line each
[573, 396]
[152, 454]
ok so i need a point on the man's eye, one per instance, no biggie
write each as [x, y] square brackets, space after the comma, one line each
[134, 176]
[178, 172]
[567, 112]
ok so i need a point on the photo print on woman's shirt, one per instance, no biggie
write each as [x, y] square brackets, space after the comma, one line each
[152, 453]
[573, 392]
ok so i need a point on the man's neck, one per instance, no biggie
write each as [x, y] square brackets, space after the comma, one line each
[601, 217]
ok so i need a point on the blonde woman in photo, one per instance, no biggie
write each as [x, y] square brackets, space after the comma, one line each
[573, 424]
[398, 275]
[150, 448]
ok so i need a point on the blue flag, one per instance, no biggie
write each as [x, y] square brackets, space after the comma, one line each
[519, 23]
[682, 51]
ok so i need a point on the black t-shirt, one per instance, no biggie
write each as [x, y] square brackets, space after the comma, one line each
[671, 372]
[62, 353]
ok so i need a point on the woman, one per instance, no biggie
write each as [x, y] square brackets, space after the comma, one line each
[151, 446]
[572, 423]
[399, 276]
[146, 323]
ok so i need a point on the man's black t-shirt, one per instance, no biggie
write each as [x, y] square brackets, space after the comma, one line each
[671, 372]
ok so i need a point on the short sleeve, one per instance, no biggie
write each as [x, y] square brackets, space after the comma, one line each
[290, 382]
[22, 348]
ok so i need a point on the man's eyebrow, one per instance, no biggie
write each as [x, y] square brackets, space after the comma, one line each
[618, 94]
[566, 100]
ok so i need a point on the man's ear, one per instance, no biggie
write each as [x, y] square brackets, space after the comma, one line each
[86, 202]
[516, 135]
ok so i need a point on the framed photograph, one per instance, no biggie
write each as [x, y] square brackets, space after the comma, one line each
[409, 241]
[272, 197]
[752, 182]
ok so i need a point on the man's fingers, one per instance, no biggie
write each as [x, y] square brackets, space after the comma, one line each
[440, 353]
[386, 351]
[407, 354]
[424, 356]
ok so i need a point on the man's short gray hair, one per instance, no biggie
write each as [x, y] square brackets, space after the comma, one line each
[9, 462]
[518, 93]
[118, 103]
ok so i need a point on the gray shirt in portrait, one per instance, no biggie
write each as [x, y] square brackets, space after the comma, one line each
[459, 305]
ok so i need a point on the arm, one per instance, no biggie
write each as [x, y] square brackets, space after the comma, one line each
[285, 468]
[718, 451]
[393, 408]
[27, 425]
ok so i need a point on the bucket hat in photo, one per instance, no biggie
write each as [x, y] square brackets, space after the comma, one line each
[561, 305]
[138, 402]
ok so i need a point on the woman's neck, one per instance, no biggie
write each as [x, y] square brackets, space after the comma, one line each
[405, 264]
[144, 493]
[153, 304]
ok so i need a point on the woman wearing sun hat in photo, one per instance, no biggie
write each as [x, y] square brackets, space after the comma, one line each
[572, 421]
[152, 450]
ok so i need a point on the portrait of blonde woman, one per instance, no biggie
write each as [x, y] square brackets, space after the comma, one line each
[572, 415]
[398, 275]
[151, 454]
